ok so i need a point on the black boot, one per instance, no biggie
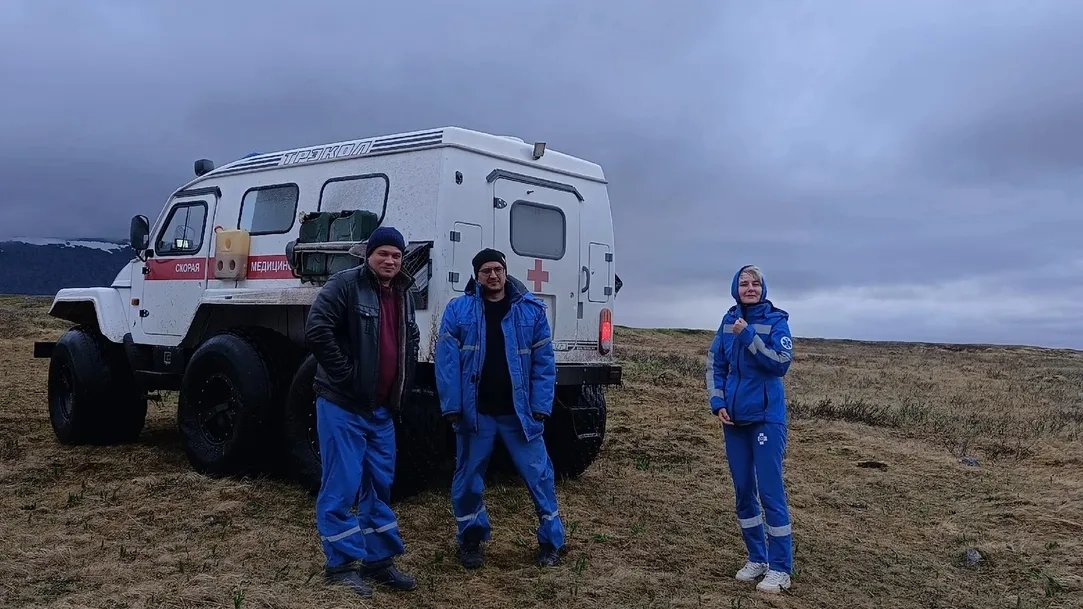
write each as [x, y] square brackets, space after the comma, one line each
[470, 553]
[386, 574]
[547, 555]
[347, 576]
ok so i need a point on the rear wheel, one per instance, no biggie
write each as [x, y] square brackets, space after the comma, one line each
[302, 442]
[575, 432]
[420, 436]
[93, 397]
[421, 442]
[231, 391]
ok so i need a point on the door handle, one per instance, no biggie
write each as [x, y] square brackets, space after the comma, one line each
[587, 285]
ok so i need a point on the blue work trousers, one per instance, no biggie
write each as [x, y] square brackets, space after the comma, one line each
[532, 461]
[755, 453]
[357, 453]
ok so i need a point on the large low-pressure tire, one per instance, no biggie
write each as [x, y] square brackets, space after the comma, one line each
[420, 437]
[93, 397]
[575, 432]
[421, 442]
[300, 438]
[232, 389]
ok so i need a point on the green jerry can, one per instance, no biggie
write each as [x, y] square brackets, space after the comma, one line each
[349, 225]
[315, 228]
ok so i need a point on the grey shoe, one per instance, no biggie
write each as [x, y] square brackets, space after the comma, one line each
[349, 577]
[470, 553]
[547, 555]
[386, 574]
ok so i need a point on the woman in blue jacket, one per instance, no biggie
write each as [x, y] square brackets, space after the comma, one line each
[750, 354]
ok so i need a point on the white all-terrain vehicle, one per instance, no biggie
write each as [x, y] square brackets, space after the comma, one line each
[215, 302]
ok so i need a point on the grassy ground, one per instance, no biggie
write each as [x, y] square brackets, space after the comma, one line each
[883, 508]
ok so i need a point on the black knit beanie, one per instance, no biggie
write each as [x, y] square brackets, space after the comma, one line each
[385, 235]
[488, 255]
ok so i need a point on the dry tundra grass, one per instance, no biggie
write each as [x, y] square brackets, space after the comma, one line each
[884, 509]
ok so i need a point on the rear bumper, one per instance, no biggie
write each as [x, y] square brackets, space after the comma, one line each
[588, 374]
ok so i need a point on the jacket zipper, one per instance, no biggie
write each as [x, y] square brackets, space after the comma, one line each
[479, 314]
[401, 385]
[737, 364]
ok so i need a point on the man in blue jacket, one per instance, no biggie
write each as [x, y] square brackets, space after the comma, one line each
[496, 375]
[751, 352]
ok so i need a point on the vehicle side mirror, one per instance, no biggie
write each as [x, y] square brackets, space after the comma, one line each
[139, 234]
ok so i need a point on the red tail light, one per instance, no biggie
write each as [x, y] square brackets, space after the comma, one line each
[605, 331]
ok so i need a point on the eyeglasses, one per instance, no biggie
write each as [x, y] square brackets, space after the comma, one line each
[493, 271]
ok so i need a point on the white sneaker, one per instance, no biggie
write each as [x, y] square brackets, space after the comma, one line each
[751, 571]
[774, 582]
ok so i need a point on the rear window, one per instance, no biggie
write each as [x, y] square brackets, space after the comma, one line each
[538, 231]
[364, 192]
[269, 209]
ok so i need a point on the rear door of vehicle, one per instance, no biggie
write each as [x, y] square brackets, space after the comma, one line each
[536, 225]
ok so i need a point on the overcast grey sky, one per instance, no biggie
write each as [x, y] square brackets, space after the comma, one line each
[901, 169]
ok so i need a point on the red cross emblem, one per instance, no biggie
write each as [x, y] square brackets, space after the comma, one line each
[537, 275]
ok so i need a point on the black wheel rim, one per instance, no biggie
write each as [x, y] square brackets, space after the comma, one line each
[63, 391]
[216, 409]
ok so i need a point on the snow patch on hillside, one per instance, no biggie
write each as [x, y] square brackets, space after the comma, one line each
[100, 245]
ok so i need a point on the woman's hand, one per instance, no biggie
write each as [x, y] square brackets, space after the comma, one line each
[724, 417]
[739, 326]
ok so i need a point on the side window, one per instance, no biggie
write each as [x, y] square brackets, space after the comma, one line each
[365, 192]
[183, 232]
[538, 231]
[269, 209]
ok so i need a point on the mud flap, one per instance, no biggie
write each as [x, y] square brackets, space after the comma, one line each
[585, 421]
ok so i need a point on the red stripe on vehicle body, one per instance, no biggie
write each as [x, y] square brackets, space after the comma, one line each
[269, 267]
[176, 269]
[196, 269]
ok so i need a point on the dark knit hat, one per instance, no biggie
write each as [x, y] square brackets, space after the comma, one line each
[385, 235]
[488, 255]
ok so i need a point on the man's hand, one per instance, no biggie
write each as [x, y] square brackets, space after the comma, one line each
[739, 326]
[453, 418]
[539, 416]
[724, 417]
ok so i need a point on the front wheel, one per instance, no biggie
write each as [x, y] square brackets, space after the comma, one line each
[93, 397]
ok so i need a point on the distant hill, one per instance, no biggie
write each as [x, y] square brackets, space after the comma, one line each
[39, 266]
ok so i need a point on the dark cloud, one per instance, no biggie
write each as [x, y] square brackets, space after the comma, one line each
[849, 148]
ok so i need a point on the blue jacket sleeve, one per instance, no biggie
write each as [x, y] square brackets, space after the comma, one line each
[447, 369]
[543, 368]
[717, 370]
[775, 360]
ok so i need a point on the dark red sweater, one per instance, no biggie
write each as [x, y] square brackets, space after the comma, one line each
[389, 345]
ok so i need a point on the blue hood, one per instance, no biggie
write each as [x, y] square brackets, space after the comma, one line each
[758, 311]
[737, 280]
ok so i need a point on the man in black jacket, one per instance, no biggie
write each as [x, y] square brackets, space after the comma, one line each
[362, 331]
